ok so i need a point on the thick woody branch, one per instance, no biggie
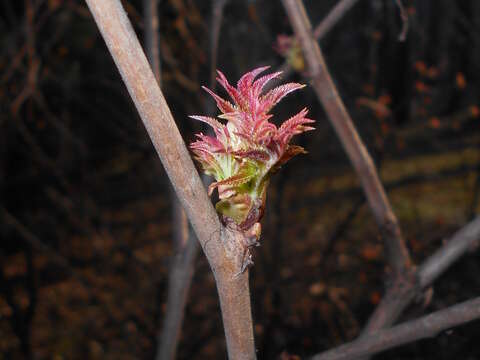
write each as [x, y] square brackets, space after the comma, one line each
[425, 327]
[219, 244]
[396, 250]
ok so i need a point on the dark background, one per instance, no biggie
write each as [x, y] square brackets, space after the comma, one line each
[86, 217]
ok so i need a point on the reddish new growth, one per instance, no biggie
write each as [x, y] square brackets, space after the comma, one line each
[247, 149]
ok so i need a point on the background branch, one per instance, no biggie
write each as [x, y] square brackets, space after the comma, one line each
[398, 298]
[425, 327]
[179, 282]
[185, 245]
[186, 248]
[465, 239]
[216, 23]
[323, 28]
[337, 12]
[152, 36]
[396, 250]
[404, 17]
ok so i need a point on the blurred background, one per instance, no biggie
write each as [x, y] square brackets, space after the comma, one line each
[86, 219]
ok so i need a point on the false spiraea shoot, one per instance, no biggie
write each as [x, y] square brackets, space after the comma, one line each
[246, 149]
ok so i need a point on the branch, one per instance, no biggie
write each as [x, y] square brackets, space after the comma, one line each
[216, 23]
[219, 243]
[396, 250]
[186, 248]
[463, 240]
[404, 16]
[179, 281]
[333, 17]
[323, 28]
[425, 327]
[398, 298]
[152, 42]
[216, 18]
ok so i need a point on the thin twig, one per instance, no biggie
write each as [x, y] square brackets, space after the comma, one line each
[338, 11]
[219, 244]
[182, 265]
[322, 29]
[186, 248]
[443, 258]
[152, 42]
[404, 16]
[398, 298]
[425, 327]
[396, 250]
[179, 281]
[216, 23]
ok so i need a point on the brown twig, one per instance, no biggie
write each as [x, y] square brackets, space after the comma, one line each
[219, 244]
[425, 327]
[338, 11]
[465, 239]
[152, 42]
[182, 267]
[396, 250]
[216, 23]
[179, 281]
[322, 29]
[404, 16]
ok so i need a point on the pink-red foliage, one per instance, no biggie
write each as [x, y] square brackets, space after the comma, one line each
[245, 150]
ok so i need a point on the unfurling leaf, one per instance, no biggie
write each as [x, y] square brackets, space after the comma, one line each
[248, 148]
